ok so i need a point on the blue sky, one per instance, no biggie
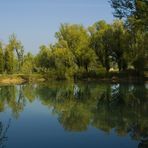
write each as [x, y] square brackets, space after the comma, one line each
[35, 21]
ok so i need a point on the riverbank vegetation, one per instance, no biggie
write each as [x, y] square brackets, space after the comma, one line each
[102, 50]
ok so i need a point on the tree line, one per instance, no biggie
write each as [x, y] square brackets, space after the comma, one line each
[78, 51]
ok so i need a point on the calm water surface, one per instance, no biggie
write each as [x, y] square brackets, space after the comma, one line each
[74, 115]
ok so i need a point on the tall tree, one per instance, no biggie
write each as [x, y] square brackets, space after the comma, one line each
[137, 51]
[119, 44]
[136, 10]
[101, 39]
[16, 45]
[77, 40]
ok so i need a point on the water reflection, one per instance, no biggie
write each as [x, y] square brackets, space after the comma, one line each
[3, 133]
[122, 107]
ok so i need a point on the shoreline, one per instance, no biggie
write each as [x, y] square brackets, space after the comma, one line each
[19, 79]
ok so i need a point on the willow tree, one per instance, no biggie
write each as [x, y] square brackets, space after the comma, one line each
[16, 45]
[119, 44]
[101, 39]
[77, 40]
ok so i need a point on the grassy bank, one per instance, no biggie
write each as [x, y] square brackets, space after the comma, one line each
[128, 76]
[21, 78]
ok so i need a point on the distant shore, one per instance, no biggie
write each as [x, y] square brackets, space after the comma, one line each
[17, 79]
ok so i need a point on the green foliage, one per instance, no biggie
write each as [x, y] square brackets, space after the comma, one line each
[28, 64]
[70, 53]
[10, 64]
[63, 61]
[82, 53]
[116, 44]
[119, 44]
[135, 10]
[77, 40]
[1, 59]
[43, 58]
[16, 45]
[9, 56]
[138, 49]
[136, 14]
[101, 40]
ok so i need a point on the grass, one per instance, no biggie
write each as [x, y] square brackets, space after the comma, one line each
[20, 78]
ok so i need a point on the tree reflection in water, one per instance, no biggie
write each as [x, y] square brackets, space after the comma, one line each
[122, 107]
[3, 133]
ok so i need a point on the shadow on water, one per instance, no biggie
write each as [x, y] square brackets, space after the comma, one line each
[122, 107]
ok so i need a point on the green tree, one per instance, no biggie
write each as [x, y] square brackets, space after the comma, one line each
[1, 59]
[77, 40]
[43, 58]
[136, 14]
[63, 60]
[13, 45]
[132, 9]
[137, 50]
[9, 59]
[101, 39]
[119, 44]
[16, 45]
[28, 64]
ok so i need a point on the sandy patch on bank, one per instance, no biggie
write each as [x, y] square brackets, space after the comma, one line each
[12, 81]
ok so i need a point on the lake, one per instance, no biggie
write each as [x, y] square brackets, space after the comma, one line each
[74, 115]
